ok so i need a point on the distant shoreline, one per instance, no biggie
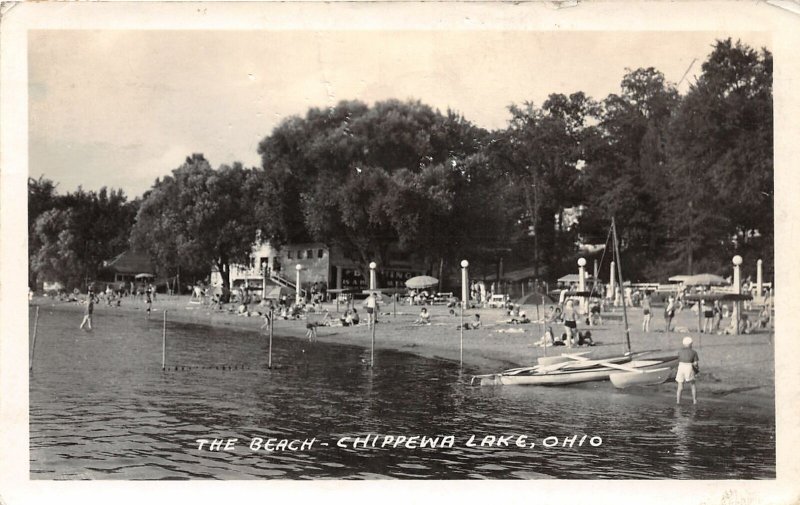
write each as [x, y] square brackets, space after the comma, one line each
[734, 369]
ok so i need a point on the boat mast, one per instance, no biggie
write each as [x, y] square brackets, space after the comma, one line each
[621, 288]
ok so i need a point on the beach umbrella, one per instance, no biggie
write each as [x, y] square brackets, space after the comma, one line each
[679, 278]
[278, 291]
[144, 276]
[705, 280]
[573, 278]
[421, 282]
[535, 299]
[583, 294]
[717, 295]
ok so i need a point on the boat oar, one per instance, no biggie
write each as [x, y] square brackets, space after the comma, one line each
[609, 364]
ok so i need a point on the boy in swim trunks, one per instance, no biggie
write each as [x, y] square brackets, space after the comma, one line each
[687, 368]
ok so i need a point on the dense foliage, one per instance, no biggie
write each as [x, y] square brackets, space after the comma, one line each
[69, 236]
[689, 180]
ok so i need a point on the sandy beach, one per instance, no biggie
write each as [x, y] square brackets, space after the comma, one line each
[736, 368]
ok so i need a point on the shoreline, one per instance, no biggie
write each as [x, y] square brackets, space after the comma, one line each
[734, 369]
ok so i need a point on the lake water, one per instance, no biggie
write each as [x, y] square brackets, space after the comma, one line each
[101, 408]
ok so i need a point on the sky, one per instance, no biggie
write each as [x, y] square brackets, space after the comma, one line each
[120, 108]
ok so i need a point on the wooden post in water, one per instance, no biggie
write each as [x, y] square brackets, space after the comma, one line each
[461, 340]
[33, 344]
[372, 353]
[164, 343]
[271, 322]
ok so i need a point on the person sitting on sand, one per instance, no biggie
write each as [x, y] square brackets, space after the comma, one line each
[522, 319]
[585, 338]
[326, 319]
[424, 317]
[547, 338]
[763, 317]
[475, 324]
[356, 318]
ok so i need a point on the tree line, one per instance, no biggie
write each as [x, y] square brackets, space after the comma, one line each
[688, 178]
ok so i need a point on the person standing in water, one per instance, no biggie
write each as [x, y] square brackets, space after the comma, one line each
[87, 313]
[688, 366]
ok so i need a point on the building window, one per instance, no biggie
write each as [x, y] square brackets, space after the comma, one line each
[309, 254]
[289, 254]
[319, 253]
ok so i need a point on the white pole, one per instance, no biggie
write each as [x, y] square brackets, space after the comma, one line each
[737, 286]
[613, 284]
[582, 282]
[297, 285]
[461, 338]
[164, 343]
[372, 352]
[759, 279]
[33, 344]
[464, 288]
[271, 325]
[372, 279]
[464, 295]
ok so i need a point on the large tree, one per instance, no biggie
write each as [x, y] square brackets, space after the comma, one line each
[198, 218]
[366, 179]
[540, 154]
[625, 174]
[721, 158]
[79, 230]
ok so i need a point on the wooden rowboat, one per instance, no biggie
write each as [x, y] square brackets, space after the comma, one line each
[628, 373]
[576, 368]
[646, 373]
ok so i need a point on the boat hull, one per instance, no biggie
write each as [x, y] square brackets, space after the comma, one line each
[583, 372]
[651, 372]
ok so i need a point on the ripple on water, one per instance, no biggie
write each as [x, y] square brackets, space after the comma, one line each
[100, 408]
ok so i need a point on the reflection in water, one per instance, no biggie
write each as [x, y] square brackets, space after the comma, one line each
[101, 408]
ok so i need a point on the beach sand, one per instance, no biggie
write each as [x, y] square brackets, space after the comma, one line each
[735, 368]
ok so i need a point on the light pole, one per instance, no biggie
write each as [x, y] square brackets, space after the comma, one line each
[372, 279]
[737, 285]
[464, 265]
[759, 280]
[297, 285]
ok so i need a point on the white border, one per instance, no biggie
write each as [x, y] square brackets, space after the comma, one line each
[15, 486]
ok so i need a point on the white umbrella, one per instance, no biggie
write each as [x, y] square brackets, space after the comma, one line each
[421, 282]
[705, 280]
